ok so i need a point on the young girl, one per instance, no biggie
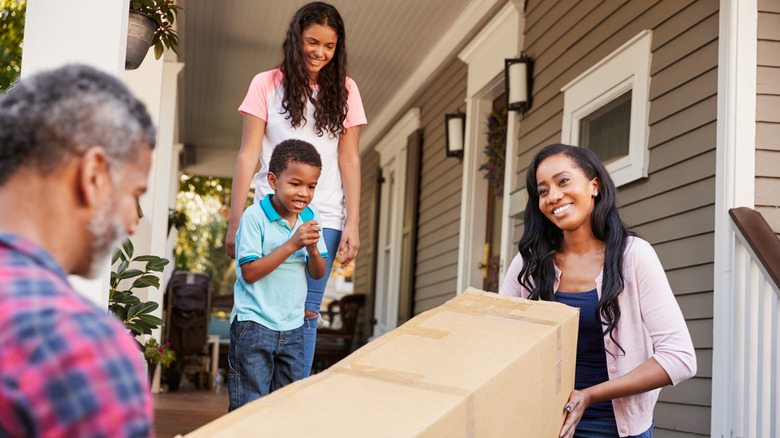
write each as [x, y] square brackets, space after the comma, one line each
[632, 339]
[311, 98]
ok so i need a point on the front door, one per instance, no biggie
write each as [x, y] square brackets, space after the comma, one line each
[496, 140]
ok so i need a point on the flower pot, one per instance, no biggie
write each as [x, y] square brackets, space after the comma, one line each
[140, 33]
[154, 374]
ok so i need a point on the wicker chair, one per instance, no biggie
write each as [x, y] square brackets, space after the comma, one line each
[334, 344]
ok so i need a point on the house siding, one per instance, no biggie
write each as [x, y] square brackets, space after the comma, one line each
[768, 113]
[365, 273]
[673, 208]
[440, 191]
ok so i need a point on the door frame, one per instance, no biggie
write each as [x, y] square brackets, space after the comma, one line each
[500, 39]
[392, 160]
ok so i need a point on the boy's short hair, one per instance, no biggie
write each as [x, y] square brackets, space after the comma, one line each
[293, 150]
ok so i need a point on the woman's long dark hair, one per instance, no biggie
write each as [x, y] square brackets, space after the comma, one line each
[330, 106]
[542, 239]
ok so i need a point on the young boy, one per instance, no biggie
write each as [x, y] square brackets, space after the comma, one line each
[278, 238]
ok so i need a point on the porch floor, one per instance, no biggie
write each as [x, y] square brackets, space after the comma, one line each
[182, 411]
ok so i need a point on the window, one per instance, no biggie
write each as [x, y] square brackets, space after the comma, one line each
[606, 130]
[605, 109]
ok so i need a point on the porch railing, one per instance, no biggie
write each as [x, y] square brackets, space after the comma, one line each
[756, 344]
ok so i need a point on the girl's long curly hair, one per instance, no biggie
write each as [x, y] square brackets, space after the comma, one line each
[542, 239]
[330, 105]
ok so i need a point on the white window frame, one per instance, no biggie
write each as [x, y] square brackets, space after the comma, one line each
[627, 68]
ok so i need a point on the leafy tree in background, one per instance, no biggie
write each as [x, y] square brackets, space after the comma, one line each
[12, 14]
[200, 243]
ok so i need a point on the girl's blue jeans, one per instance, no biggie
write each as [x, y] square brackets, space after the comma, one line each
[314, 298]
[261, 360]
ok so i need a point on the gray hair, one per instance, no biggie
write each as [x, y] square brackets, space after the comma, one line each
[51, 117]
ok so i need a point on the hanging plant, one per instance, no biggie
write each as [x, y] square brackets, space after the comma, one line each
[495, 151]
[164, 12]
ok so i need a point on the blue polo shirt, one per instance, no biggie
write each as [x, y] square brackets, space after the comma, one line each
[276, 300]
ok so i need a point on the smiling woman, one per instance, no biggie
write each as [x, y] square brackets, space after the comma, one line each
[632, 337]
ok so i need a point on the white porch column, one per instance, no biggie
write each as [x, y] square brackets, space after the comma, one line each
[94, 33]
[155, 83]
[57, 33]
[734, 185]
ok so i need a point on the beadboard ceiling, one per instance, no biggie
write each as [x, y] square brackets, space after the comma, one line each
[224, 43]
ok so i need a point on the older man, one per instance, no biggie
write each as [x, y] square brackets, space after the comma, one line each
[75, 151]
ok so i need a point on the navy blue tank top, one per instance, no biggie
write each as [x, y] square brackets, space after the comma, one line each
[591, 359]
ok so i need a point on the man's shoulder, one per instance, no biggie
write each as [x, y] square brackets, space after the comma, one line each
[27, 284]
[43, 306]
[64, 350]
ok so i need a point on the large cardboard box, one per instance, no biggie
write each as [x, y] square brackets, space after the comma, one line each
[481, 365]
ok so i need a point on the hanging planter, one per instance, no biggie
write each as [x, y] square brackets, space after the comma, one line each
[495, 151]
[140, 33]
[150, 23]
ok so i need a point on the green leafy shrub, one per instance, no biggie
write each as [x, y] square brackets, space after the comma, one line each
[134, 313]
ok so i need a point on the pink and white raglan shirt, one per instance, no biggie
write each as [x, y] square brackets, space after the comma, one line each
[264, 100]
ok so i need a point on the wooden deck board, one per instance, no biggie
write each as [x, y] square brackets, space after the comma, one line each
[181, 412]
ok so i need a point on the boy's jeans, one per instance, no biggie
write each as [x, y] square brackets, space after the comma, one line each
[314, 298]
[261, 361]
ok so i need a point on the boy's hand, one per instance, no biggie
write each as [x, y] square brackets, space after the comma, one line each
[307, 234]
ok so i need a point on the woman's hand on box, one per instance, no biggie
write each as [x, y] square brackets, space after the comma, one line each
[578, 402]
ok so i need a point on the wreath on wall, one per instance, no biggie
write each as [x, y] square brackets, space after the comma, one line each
[495, 151]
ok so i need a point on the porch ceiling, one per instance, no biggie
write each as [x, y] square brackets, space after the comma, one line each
[225, 43]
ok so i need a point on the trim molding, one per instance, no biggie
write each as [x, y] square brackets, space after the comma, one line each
[734, 183]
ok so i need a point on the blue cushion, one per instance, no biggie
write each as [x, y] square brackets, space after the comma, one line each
[219, 327]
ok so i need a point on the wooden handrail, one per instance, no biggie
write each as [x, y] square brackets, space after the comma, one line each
[762, 240]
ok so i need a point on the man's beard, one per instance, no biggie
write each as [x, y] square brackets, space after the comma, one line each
[107, 232]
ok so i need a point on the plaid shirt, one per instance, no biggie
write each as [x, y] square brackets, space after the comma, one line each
[67, 368]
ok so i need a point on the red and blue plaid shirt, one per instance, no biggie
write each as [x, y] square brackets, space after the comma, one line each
[67, 368]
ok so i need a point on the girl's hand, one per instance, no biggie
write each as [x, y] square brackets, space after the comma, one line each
[350, 242]
[230, 240]
[307, 234]
[578, 401]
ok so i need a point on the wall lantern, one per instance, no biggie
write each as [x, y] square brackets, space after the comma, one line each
[517, 79]
[455, 127]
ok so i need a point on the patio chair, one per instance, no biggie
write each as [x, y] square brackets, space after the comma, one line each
[336, 343]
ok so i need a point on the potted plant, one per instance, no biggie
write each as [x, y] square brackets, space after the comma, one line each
[158, 356]
[150, 24]
[135, 314]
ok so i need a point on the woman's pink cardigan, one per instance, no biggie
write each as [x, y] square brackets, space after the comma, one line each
[651, 325]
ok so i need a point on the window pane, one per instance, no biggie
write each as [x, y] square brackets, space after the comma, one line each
[606, 130]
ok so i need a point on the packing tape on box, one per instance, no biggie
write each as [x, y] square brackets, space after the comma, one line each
[515, 303]
[399, 377]
[414, 327]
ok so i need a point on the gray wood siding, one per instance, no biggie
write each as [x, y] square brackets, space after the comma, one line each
[768, 113]
[440, 191]
[673, 208]
[365, 271]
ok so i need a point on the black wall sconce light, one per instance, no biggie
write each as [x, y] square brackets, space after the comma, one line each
[455, 129]
[517, 79]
